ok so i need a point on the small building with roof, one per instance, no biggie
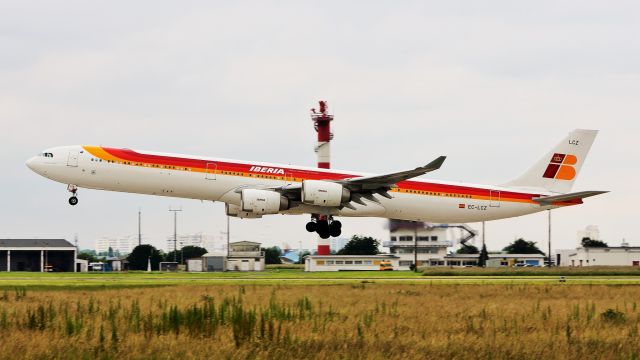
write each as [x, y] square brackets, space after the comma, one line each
[600, 256]
[349, 262]
[495, 260]
[39, 255]
[245, 256]
[242, 256]
[291, 257]
[429, 241]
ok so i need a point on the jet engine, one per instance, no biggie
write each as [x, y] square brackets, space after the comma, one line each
[324, 193]
[260, 202]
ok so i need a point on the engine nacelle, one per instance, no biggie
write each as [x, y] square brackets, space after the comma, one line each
[324, 193]
[262, 202]
[234, 211]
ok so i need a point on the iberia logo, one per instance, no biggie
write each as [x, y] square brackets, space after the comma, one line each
[561, 167]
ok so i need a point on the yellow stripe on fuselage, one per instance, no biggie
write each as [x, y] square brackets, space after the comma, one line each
[98, 152]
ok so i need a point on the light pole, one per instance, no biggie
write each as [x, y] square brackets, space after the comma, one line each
[549, 253]
[483, 244]
[415, 246]
[175, 233]
[139, 227]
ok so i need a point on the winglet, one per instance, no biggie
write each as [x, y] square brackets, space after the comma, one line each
[435, 164]
[387, 181]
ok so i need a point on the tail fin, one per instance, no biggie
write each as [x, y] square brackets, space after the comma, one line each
[559, 168]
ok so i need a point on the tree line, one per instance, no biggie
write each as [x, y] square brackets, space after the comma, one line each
[139, 258]
[357, 245]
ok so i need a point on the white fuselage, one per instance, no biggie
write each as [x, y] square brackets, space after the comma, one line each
[213, 179]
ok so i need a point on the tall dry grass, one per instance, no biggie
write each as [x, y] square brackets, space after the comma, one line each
[365, 321]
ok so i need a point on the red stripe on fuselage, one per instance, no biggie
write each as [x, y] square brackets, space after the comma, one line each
[133, 156]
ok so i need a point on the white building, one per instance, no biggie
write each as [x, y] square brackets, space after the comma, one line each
[605, 256]
[432, 241]
[348, 262]
[495, 260]
[245, 256]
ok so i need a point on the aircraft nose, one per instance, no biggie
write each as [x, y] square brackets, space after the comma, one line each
[31, 163]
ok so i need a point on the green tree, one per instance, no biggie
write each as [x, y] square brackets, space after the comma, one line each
[85, 255]
[140, 256]
[588, 242]
[187, 252]
[272, 255]
[302, 255]
[467, 249]
[522, 246]
[190, 252]
[484, 256]
[360, 245]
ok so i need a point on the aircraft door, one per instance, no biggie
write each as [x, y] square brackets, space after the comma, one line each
[494, 198]
[73, 159]
[210, 171]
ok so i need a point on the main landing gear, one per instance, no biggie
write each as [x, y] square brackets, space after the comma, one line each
[325, 226]
[73, 200]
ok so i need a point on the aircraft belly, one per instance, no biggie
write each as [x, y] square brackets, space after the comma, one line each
[370, 209]
[451, 210]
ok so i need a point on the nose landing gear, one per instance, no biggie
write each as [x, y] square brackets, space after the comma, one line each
[325, 226]
[73, 200]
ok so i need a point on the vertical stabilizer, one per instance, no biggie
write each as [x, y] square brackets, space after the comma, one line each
[559, 168]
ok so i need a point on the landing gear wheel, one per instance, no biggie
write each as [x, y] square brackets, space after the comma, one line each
[312, 226]
[323, 229]
[335, 231]
[73, 200]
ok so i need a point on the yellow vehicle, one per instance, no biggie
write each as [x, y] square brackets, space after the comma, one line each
[386, 266]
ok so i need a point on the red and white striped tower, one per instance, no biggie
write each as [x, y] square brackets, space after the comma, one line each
[322, 123]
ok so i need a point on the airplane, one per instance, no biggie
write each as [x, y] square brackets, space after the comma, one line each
[254, 189]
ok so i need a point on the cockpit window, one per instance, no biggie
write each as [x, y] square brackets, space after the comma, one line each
[46, 154]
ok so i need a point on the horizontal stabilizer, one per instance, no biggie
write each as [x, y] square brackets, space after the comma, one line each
[548, 200]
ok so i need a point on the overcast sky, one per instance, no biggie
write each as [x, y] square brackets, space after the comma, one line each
[493, 85]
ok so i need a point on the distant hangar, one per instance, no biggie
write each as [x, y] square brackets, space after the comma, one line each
[42, 255]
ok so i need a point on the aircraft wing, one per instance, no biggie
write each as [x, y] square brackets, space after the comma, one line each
[389, 180]
[361, 187]
[549, 200]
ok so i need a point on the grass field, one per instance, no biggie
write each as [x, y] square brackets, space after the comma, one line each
[534, 271]
[344, 321]
[296, 275]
